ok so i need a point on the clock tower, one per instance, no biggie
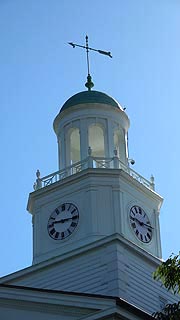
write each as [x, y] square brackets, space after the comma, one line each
[95, 194]
[96, 235]
[95, 220]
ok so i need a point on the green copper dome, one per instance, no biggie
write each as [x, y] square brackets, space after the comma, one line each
[90, 97]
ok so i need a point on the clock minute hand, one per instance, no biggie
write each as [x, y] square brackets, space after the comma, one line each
[147, 225]
[66, 219]
[62, 220]
[143, 224]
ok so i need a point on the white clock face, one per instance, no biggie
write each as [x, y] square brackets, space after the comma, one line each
[140, 224]
[63, 221]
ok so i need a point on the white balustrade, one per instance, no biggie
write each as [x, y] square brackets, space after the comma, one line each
[90, 162]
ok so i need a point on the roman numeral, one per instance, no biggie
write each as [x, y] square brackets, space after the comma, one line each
[62, 234]
[141, 237]
[73, 211]
[140, 211]
[63, 207]
[133, 225]
[69, 232]
[137, 232]
[57, 211]
[146, 239]
[51, 225]
[52, 231]
[73, 224]
[148, 235]
[136, 209]
[56, 235]
[132, 211]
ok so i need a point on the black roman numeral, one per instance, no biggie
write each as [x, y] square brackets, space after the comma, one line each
[132, 211]
[73, 224]
[137, 232]
[63, 207]
[52, 231]
[69, 207]
[57, 211]
[51, 225]
[69, 232]
[148, 235]
[133, 225]
[73, 211]
[62, 234]
[56, 235]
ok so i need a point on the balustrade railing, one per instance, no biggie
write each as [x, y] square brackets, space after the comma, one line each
[90, 162]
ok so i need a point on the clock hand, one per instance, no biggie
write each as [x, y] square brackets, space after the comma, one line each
[66, 219]
[143, 224]
[140, 222]
[147, 225]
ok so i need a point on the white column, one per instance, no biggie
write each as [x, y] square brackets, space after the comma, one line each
[83, 139]
[67, 147]
[62, 151]
[106, 140]
[110, 139]
[59, 153]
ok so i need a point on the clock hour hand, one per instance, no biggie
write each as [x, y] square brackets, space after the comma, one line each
[140, 222]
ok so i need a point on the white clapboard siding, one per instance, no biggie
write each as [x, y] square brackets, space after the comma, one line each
[111, 269]
[144, 291]
[81, 274]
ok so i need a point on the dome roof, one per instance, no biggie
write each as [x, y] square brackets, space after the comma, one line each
[90, 97]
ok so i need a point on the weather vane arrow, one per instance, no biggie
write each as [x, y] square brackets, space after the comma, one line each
[89, 83]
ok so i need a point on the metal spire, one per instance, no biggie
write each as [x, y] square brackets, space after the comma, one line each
[89, 84]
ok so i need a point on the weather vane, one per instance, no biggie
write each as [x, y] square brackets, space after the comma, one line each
[89, 84]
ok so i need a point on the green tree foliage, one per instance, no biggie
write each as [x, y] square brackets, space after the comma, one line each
[169, 274]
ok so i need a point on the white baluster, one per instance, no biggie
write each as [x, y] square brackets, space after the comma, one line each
[116, 160]
[38, 180]
[90, 159]
[152, 182]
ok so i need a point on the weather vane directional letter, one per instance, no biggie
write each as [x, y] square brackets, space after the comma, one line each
[89, 84]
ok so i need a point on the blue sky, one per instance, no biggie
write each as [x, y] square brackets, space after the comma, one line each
[39, 72]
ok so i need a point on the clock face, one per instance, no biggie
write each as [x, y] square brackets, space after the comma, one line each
[63, 221]
[140, 224]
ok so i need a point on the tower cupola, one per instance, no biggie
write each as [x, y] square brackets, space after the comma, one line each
[91, 123]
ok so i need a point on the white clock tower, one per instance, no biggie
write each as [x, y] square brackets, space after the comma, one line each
[96, 235]
[95, 195]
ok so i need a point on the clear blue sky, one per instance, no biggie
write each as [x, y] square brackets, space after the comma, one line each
[39, 72]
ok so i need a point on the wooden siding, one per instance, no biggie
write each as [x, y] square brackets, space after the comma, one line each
[111, 269]
[144, 291]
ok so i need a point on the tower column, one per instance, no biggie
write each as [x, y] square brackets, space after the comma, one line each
[61, 150]
[106, 140]
[84, 144]
[110, 138]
